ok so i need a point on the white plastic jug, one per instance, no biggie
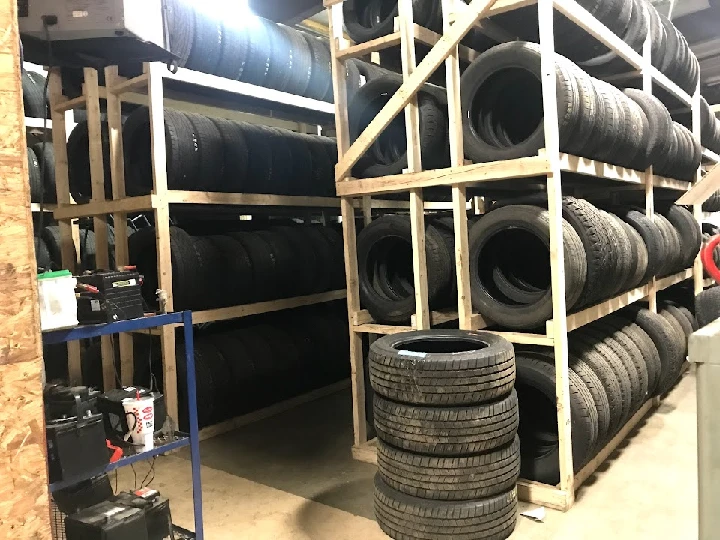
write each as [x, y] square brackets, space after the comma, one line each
[58, 306]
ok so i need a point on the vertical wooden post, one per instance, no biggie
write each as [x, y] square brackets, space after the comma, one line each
[459, 194]
[367, 210]
[162, 229]
[69, 250]
[342, 134]
[24, 511]
[117, 175]
[412, 133]
[97, 179]
[649, 175]
[697, 208]
[557, 252]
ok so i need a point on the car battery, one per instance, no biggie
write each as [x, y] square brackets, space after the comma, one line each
[110, 405]
[65, 401]
[109, 297]
[83, 495]
[156, 508]
[75, 446]
[107, 521]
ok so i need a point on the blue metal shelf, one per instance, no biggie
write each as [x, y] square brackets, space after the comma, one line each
[192, 439]
[181, 441]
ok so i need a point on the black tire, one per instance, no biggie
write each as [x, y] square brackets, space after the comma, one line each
[672, 241]
[624, 265]
[265, 276]
[42, 254]
[442, 367]
[632, 353]
[51, 237]
[707, 306]
[281, 58]
[390, 235]
[210, 153]
[510, 74]
[536, 395]
[260, 160]
[447, 431]
[592, 229]
[493, 240]
[320, 84]
[366, 20]
[659, 123]
[680, 317]
[404, 517]
[235, 272]
[652, 238]
[234, 52]
[303, 269]
[234, 156]
[450, 478]
[663, 335]
[640, 255]
[292, 272]
[206, 45]
[79, 162]
[337, 273]
[581, 341]
[689, 230]
[259, 57]
[36, 183]
[648, 349]
[181, 29]
[301, 63]
[33, 95]
[46, 159]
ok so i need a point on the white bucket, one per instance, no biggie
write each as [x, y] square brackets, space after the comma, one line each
[58, 306]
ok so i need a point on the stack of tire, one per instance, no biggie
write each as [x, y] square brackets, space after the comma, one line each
[277, 357]
[501, 96]
[388, 153]
[242, 267]
[41, 172]
[605, 254]
[48, 251]
[615, 365]
[386, 269]
[446, 417]
[78, 152]
[256, 51]
[205, 154]
[33, 88]
[631, 20]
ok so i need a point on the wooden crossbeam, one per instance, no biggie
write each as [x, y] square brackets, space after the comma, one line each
[409, 88]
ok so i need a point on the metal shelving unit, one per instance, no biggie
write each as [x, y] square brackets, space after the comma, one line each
[180, 440]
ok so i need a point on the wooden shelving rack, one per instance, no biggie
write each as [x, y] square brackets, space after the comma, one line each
[459, 18]
[158, 88]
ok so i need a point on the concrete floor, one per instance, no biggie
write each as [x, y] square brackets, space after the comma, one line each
[292, 477]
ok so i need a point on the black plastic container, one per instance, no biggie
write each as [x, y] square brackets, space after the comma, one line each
[107, 521]
[75, 446]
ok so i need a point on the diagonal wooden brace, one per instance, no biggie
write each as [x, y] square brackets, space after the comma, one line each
[437, 55]
[702, 190]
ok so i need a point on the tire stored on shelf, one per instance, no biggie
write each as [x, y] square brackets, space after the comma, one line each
[205, 154]
[501, 96]
[236, 268]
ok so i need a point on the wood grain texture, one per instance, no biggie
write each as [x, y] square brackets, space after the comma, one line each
[24, 504]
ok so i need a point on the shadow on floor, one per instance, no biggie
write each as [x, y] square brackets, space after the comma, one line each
[304, 451]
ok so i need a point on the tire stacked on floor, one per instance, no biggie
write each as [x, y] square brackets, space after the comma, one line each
[279, 356]
[501, 97]
[242, 267]
[388, 153]
[446, 418]
[615, 365]
[256, 51]
[386, 269]
[205, 154]
[605, 255]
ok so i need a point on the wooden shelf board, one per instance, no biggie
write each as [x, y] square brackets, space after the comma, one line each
[68, 104]
[97, 208]
[591, 167]
[374, 45]
[234, 312]
[259, 94]
[670, 183]
[669, 281]
[272, 410]
[463, 175]
[710, 155]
